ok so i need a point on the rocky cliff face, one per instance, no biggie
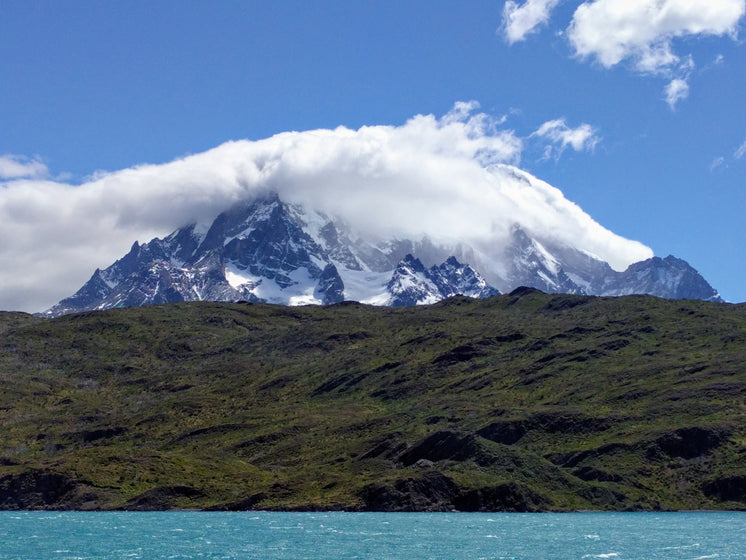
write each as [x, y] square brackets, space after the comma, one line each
[267, 250]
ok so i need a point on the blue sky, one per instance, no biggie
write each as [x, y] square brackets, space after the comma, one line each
[90, 87]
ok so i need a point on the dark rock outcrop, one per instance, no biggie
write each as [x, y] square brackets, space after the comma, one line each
[572, 459]
[162, 498]
[509, 432]
[87, 437]
[506, 432]
[39, 490]
[448, 445]
[688, 443]
[728, 489]
[388, 447]
[248, 504]
[432, 492]
[510, 497]
[594, 474]
[330, 288]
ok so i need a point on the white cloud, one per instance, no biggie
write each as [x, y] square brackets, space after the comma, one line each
[643, 31]
[444, 177]
[520, 20]
[644, 34]
[583, 137]
[16, 167]
[741, 151]
[676, 90]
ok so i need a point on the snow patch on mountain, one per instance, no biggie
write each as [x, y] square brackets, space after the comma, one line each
[366, 286]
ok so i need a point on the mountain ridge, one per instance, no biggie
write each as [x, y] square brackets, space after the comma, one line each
[265, 250]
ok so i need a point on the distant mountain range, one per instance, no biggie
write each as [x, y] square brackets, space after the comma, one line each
[267, 250]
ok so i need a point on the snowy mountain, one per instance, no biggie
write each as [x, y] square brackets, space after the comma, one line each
[266, 250]
[269, 251]
[561, 269]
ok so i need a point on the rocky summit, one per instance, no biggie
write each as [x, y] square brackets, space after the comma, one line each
[267, 250]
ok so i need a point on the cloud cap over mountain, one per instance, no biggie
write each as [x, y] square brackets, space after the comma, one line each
[450, 178]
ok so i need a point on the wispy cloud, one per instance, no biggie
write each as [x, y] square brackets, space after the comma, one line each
[16, 167]
[675, 91]
[720, 161]
[741, 151]
[520, 20]
[583, 137]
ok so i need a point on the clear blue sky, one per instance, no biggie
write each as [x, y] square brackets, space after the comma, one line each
[88, 86]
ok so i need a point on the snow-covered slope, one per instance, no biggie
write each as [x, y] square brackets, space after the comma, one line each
[267, 250]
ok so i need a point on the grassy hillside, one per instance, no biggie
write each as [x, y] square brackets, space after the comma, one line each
[521, 402]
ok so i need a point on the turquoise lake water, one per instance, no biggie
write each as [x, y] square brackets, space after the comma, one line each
[410, 536]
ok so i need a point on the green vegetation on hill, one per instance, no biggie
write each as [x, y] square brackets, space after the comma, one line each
[521, 402]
